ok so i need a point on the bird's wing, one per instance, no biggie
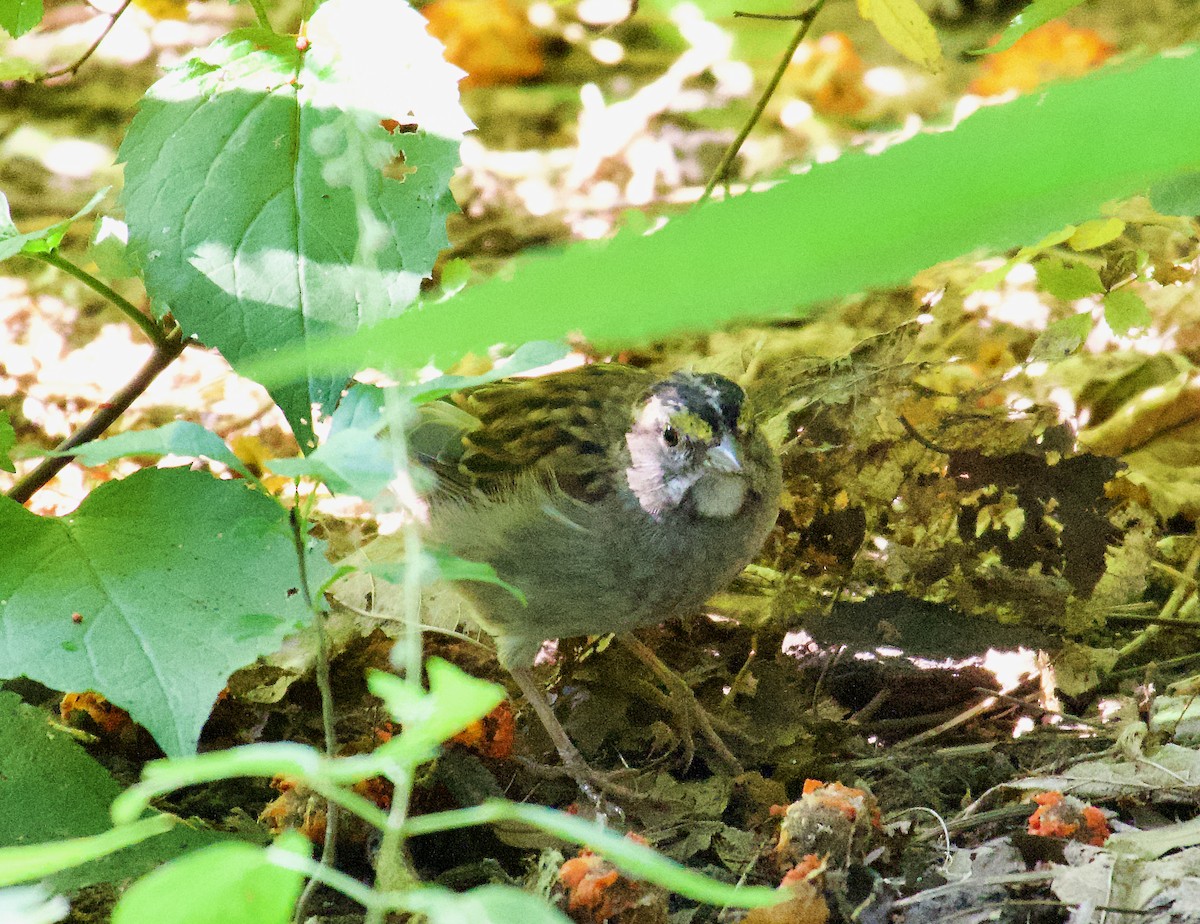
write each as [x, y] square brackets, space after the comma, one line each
[485, 438]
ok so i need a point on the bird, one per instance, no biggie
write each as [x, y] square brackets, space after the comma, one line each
[610, 496]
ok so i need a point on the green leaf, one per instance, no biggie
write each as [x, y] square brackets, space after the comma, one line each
[56, 801]
[164, 570]
[906, 27]
[1061, 338]
[1178, 195]
[1038, 13]
[110, 248]
[181, 438]
[1096, 233]
[350, 461]
[1005, 176]
[255, 190]
[353, 459]
[455, 700]
[524, 358]
[13, 242]
[19, 16]
[8, 439]
[440, 565]
[489, 904]
[222, 884]
[993, 278]
[1124, 310]
[1067, 281]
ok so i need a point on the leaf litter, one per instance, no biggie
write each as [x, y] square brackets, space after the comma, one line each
[954, 484]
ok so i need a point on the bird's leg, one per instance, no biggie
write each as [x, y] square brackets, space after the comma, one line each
[688, 711]
[591, 782]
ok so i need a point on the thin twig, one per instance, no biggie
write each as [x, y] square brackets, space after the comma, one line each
[82, 59]
[965, 716]
[130, 310]
[774, 17]
[102, 419]
[916, 435]
[806, 20]
[1175, 622]
[325, 687]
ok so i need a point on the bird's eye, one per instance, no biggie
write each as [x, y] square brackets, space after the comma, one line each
[671, 437]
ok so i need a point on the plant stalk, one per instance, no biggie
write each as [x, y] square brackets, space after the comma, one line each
[103, 418]
[325, 687]
[140, 318]
[806, 20]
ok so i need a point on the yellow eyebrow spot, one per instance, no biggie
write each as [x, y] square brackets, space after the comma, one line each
[692, 425]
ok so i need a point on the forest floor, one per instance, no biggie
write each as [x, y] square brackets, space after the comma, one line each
[982, 588]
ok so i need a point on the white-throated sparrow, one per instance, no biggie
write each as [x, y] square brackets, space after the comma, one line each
[613, 498]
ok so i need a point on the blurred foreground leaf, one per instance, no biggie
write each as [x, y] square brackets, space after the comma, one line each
[1007, 175]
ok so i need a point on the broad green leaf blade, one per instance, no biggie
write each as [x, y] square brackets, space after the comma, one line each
[455, 700]
[452, 568]
[350, 461]
[8, 439]
[55, 801]
[181, 438]
[19, 16]
[109, 249]
[13, 242]
[489, 904]
[178, 579]
[1067, 281]
[437, 565]
[255, 193]
[1096, 233]
[1124, 311]
[1061, 338]
[906, 27]
[222, 884]
[1006, 176]
[1038, 13]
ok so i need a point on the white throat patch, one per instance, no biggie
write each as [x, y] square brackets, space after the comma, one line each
[719, 495]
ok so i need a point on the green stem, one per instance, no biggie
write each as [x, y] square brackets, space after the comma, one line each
[335, 879]
[146, 323]
[325, 687]
[806, 20]
[261, 12]
[393, 871]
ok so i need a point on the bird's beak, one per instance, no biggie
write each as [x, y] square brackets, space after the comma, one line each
[725, 456]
